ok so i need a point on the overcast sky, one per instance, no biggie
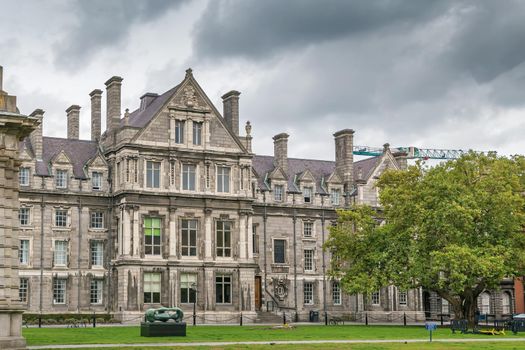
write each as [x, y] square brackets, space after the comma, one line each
[433, 74]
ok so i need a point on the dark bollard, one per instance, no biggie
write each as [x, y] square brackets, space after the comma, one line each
[240, 323]
[441, 319]
[404, 319]
[296, 317]
[94, 320]
[326, 319]
[366, 318]
[40, 321]
[284, 318]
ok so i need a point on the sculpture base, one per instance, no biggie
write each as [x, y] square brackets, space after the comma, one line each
[162, 329]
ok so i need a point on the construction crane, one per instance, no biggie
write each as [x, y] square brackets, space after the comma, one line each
[412, 152]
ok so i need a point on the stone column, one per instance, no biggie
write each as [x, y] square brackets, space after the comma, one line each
[173, 233]
[207, 234]
[13, 128]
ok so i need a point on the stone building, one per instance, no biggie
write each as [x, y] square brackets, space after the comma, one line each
[169, 206]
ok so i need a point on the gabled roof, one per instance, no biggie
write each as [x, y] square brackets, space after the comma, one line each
[366, 166]
[139, 118]
[79, 151]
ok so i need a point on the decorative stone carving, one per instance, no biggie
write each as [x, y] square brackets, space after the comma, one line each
[280, 287]
[189, 97]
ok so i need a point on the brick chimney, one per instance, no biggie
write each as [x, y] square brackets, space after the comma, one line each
[73, 115]
[344, 157]
[36, 135]
[96, 113]
[113, 102]
[280, 151]
[230, 102]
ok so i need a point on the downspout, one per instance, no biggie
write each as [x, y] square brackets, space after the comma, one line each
[265, 218]
[79, 251]
[323, 257]
[294, 257]
[42, 213]
[110, 245]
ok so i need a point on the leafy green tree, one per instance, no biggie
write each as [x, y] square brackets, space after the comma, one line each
[456, 229]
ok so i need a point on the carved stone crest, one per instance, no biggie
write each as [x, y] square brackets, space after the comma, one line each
[189, 97]
[280, 287]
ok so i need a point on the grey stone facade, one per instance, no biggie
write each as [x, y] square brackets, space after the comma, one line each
[170, 195]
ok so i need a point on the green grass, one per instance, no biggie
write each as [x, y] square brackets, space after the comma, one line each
[391, 346]
[129, 335]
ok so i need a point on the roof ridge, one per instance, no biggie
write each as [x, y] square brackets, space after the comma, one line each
[65, 138]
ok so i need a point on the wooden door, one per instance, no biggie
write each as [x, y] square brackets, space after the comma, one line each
[258, 290]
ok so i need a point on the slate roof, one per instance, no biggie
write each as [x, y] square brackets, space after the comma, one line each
[79, 151]
[320, 169]
[139, 118]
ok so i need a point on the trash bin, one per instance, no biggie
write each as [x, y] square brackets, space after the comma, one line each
[314, 316]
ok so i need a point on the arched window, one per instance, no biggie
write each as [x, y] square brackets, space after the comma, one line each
[485, 303]
[505, 303]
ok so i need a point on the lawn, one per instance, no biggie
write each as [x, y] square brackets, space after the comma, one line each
[129, 335]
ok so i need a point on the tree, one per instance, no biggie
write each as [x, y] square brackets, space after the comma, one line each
[455, 229]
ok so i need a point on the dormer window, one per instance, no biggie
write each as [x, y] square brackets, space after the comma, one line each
[61, 179]
[278, 193]
[307, 194]
[197, 133]
[23, 177]
[335, 195]
[179, 131]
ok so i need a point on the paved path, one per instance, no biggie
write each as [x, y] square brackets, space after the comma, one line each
[354, 341]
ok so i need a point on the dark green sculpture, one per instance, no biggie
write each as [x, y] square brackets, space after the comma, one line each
[164, 314]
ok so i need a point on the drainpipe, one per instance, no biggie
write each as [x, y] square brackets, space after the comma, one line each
[42, 213]
[79, 251]
[323, 257]
[294, 257]
[265, 250]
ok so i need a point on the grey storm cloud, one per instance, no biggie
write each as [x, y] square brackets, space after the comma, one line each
[101, 24]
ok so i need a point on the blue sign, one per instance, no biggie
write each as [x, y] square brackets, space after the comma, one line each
[431, 326]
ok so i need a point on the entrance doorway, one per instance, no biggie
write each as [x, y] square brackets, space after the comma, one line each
[258, 292]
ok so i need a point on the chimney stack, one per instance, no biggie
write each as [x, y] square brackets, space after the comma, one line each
[230, 102]
[36, 135]
[73, 115]
[113, 102]
[1, 78]
[344, 156]
[280, 151]
[96, 114]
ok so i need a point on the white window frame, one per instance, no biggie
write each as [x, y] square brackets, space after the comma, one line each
[59, 290]
[96, 219]
[445, 306]
[23, 289]
[336, 293]
[96, 291]
[308, 293]
[61, 248]
[485, 303]
[61, 216]
[96, 181]
[308, 194]
[97, 253]
[179, 131]
[402, 297]
[309, 260]
[375, 298]
[308, 229]
[151, 169]
[278, 193]
[152, 286]
[506, 303]
[23, 176]
[189, 172]
[335, 196]
[24, 216]
[223, 178]
[25, 251]
[61, 178]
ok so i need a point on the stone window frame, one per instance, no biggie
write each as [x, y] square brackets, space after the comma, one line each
[161, 172]
[23, 290]
[312, 261]
[194, 124]
[28, 177]
[97, 174]
[311, 187]
[229, 183]
[336, 293]
[99, 291]
[308, 222]
[189, 294]
[63, 290]
[196, 174]
[151, 284]
[232, 237]
[339, 189]
[282, 185]
[506, 309]
[224, 284]
[68, 218]
[255, 239]
[179, 133]
[29, 250]
[197, 220]
[162, 233]
[286, 244]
